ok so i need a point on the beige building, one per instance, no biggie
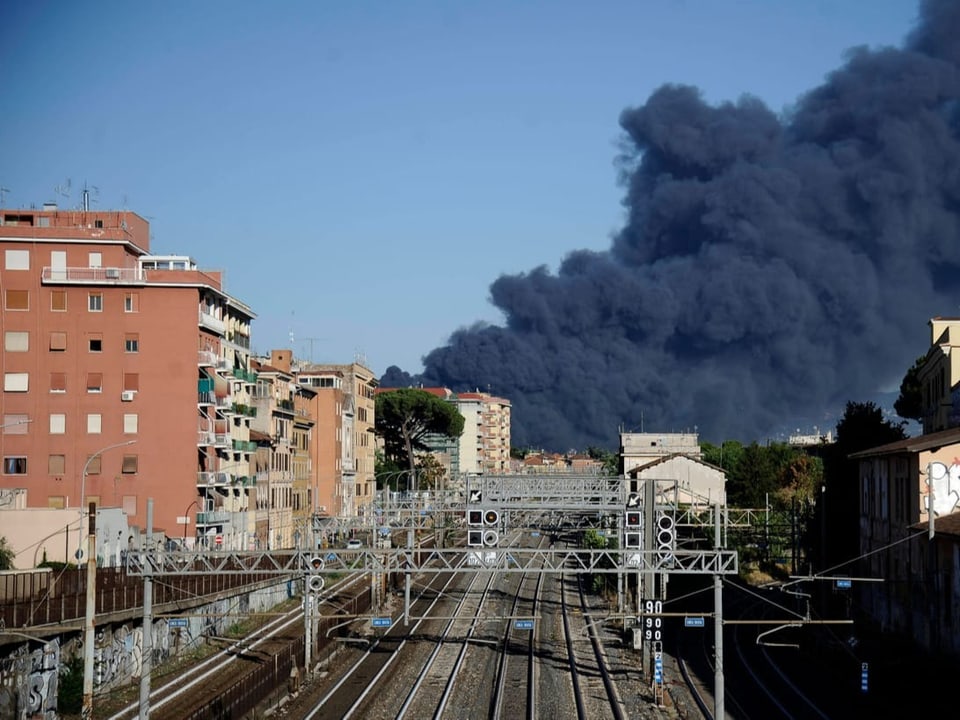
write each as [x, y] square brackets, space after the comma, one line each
[638, 449]
[484, 446]
[940, 375]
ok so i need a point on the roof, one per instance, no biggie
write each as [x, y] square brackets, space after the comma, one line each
[920, 443]
[946, 525]
[668, 458]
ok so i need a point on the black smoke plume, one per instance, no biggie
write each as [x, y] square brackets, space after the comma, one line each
[771, 267]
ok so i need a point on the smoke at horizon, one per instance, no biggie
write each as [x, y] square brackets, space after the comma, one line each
[771, 267]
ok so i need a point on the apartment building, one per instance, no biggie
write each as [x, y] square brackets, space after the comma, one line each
[484, 446]
[345, 449]
[284, 425]
[939, 376]
[125, 376]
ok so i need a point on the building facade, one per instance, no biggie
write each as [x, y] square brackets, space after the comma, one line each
[345, 452]
[939, 376]
[120, 370]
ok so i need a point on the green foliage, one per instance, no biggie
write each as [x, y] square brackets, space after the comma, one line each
[594, 540]
[406, 416]
[70, 686]
[610, 459]
[6, 555]
[725, 456]
[909, 404]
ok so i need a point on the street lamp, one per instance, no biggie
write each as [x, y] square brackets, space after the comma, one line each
[186, 522]
[87, 711]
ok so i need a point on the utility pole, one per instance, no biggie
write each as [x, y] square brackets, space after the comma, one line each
[91, 604]
[718, 709]
[147, 622]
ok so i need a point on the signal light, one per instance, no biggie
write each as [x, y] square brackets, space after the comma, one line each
[474, 538]
[491, 537]
[474, 517]
[633, 540]
[491, 517]
[315, 583]
[316, 563]
[633, 518]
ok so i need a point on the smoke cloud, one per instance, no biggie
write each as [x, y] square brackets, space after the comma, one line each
[771, 267]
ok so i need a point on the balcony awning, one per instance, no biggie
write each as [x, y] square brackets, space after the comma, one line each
[221, 387]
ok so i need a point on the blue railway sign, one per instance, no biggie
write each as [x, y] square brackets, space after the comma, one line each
[382, 622]
[523, 624]
[693, 622]
[177, 622]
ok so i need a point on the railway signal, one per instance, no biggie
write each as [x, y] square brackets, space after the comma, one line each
[633, 529]
[483, 528]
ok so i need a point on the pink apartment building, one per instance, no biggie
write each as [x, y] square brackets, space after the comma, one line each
[126, 374]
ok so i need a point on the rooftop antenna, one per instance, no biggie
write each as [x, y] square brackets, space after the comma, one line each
[3, 193]
[360, 357]
[87, 199]
[292, 312]
[311, 340]
[63, 190]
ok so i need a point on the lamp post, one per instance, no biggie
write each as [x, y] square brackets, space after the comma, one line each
[87, 711]
[186, 522]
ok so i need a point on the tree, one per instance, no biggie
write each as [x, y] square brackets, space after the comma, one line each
[6, 555]
[909, 404]
[404, 419]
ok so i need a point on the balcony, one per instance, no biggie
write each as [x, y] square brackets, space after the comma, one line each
[221, 440]
[286, 405]
[206, 358]
[212, 323]
[246, 446]
[238, 340]
[246, 410]
[94, 276]
[245, 375]
[205, 438]
[214, 517]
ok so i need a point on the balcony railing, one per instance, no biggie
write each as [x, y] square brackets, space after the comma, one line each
[221, 440]
[245, 375]
[239, 340]
[205, 438]
[214, 517]
[247, 410]
[207, 357]
[99, 276]
[212, 323]
[244, 446]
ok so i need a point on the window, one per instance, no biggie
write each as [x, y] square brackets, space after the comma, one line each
[130, 505]
[58, 424]
[16, 341]
[129, 464]
[131, 381]
[94, 382]
[16, 382]
[95, 344]
[130, 423]
[58, 382]
[95, 302]
[98, 223]
[56, 502]
[17, 260]
[131, 302]
[96, 260]
[58, 300]
[131, 343]
[56, 464]
[16, 299]
[14, 465]
[93, 423]
[15, 424]
[58, 341]
[93, 465]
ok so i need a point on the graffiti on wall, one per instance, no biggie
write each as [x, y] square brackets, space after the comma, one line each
[29, 678]
[945, 482]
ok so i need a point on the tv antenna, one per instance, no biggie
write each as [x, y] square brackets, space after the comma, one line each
[91, 194]
[3, 193]
[63, 190]
[311, 340]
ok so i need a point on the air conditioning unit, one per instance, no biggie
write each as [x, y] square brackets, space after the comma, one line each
[113, 273]
[322, 508]
[127, 395]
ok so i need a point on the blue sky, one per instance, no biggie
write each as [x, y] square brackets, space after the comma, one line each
[362, 171]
